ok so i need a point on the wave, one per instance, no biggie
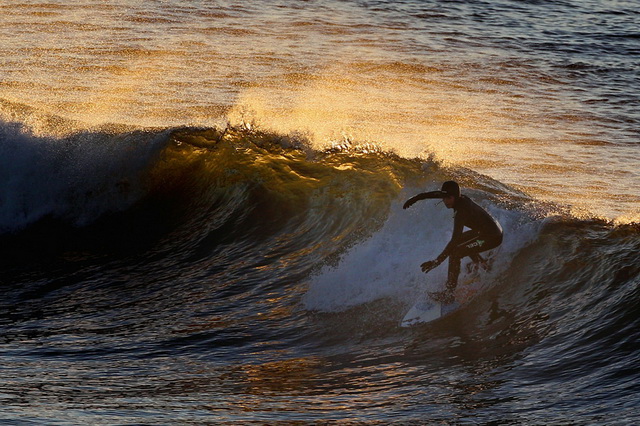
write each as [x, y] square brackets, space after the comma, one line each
[258, 181]
[188, 190]
[239, 193]
[174, 240]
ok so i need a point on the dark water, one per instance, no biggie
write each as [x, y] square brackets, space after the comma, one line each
[203, 223]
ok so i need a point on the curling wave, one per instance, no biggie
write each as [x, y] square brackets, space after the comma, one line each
[182, 240]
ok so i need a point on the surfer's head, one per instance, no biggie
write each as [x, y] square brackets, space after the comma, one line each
[451, 192]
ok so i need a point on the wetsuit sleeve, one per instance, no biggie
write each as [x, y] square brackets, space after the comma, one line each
[423, 196]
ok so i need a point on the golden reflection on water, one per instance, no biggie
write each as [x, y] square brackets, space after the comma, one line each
[156, 65]
[297, 375]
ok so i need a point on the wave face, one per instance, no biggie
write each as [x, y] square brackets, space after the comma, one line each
[238, 275]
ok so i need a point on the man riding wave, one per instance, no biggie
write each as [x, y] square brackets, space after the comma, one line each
[485, 233]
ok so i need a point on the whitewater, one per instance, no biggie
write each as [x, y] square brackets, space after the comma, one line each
[201, 211]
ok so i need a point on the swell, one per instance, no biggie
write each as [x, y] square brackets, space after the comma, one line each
[243, 248]
[243, 214]
[566, 313]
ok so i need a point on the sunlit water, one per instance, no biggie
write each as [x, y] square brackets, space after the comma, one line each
[540, 95]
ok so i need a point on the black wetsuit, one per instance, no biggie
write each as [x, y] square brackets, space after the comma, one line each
[485, 234]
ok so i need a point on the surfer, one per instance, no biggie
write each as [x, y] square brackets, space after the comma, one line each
[485, 233]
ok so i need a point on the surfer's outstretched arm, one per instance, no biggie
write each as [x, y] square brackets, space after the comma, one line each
[422, 196]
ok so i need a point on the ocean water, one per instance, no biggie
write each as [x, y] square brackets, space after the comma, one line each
[201, 211]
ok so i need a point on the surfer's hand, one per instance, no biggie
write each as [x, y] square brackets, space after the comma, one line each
[409, 202]
[427, 266]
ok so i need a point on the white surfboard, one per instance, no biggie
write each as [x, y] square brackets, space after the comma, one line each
[427, 310]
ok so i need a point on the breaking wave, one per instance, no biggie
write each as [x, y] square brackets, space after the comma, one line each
[210, 231]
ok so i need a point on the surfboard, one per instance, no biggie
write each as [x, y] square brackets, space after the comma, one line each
[426, 310]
